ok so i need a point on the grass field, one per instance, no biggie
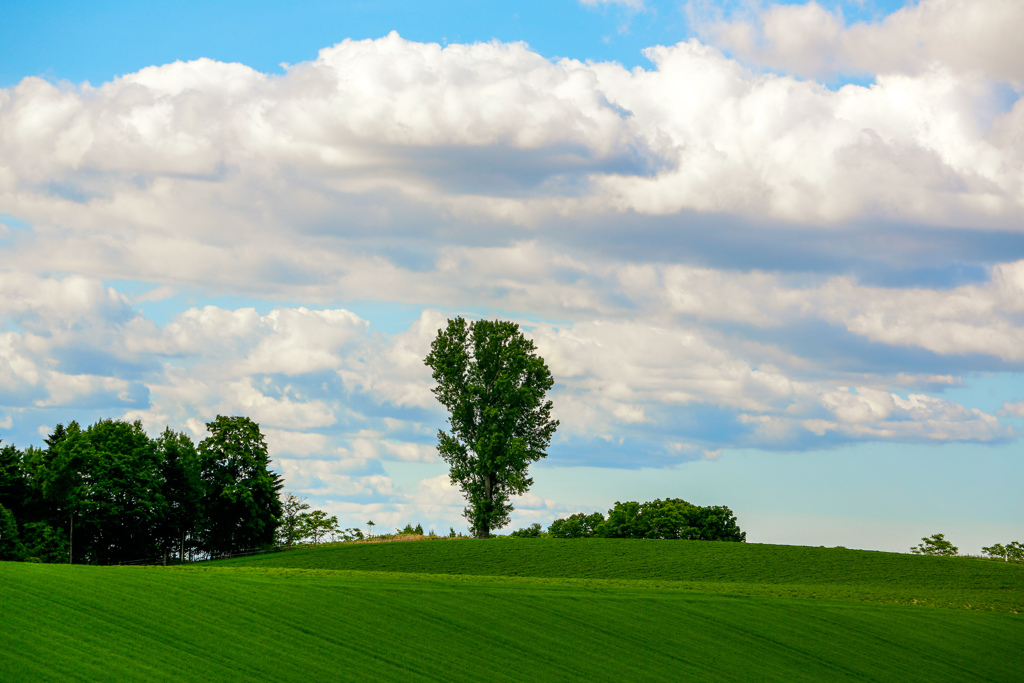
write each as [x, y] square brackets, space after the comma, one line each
[738, 568]
[571, 611]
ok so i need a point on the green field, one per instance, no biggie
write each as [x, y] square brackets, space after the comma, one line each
[519, 610]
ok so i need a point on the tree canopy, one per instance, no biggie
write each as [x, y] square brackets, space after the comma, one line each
[109, 493]
[936, 544]
[241, 502]
[672, 518]
[493, 384]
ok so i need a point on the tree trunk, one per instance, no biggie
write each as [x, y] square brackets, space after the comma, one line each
[484, 528]
[71, 539]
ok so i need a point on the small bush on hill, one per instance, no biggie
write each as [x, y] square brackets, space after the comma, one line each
[532, 531]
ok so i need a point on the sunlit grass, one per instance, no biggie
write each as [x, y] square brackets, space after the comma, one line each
[594, 611]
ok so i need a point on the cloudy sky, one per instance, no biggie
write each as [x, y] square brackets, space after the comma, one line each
[772, 253]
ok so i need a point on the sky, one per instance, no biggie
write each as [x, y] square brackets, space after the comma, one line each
[772, 253]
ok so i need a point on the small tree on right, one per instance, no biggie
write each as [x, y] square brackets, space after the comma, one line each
[1011, 552]
[936, 544]
[293, 516]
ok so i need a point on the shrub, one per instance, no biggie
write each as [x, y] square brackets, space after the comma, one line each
[532, 531]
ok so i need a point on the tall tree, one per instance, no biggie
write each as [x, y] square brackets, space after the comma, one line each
[125, 504]
[241, 505]
[493, 384]
[63, 475]
[182, 488]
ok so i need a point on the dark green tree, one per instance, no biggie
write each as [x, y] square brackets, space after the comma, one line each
[125, 504]
[14, 483]
[715, 523]
[11, 548]
[182, 489]
[63, 473]
[241, 505]
[579, 525]
[672, 518]
[493, 384]
[44, 543]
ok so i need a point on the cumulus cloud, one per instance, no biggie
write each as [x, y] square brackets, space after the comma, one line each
[339, 179]
[810, 40]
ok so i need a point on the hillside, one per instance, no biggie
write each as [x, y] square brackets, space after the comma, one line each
[741, 568]
[136, 623]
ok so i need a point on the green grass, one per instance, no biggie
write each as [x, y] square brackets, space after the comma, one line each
[571, 612]
[737, 568]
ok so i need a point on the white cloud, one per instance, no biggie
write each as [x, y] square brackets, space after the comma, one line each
[298, 180]
[1012, 409]
[809, 40]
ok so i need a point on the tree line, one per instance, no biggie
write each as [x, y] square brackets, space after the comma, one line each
[672, 518]
[109, 493]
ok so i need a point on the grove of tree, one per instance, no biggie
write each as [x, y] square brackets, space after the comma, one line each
[672, 518]
[109, 493]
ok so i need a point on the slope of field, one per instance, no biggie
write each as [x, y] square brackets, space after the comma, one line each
[221, 623]
[742, 568]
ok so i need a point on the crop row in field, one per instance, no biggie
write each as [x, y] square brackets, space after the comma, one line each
[794, 571]
[129, 623]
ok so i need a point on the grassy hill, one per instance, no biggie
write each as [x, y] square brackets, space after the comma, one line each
[740, 568]
[538, 610]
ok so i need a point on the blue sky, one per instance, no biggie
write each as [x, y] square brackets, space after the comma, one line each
[772, 252]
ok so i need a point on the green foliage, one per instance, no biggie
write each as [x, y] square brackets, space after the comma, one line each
[291, 531]
[14, 484]
[409, 529]
[102, 487]
[936, 544]
[110, 494]
[532, 531]
[1011, 552]
[241, 493]
[10, 543]
[493, 384]
[43, 543]
[316, 525]
[182, 490]
[672, 518]
[143, 624]
[579, 525]
[125, 503]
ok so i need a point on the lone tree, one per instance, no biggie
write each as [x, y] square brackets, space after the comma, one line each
[493, 384]
[936, 544]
